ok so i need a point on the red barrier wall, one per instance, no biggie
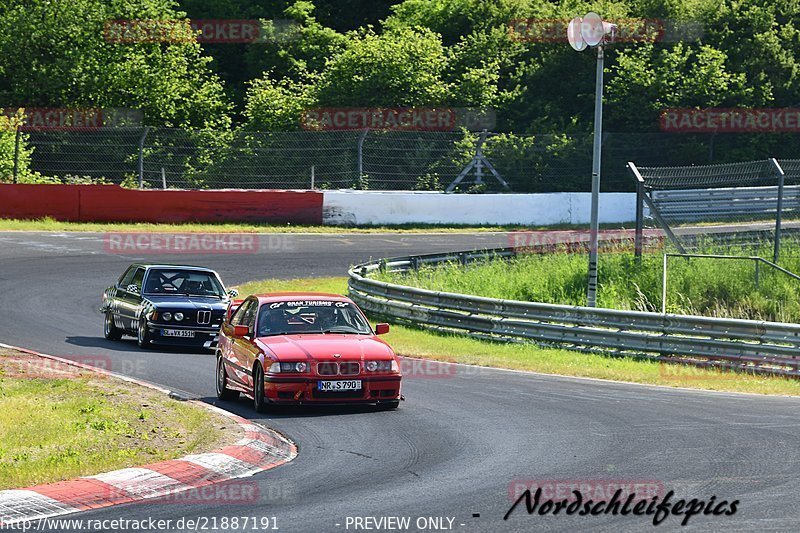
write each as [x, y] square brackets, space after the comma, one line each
[111, 203]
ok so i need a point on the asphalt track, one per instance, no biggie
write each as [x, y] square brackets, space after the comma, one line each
[457, 443]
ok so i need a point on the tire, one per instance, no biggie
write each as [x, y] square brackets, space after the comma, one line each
[110, 330]
[259, 399]
[223, 392]
[142, 334]
[389, 406]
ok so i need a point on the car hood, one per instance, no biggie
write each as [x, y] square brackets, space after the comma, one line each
[176, 301]
[322, 347]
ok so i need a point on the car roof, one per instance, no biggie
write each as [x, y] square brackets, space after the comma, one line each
[166, 265]
[282, 296]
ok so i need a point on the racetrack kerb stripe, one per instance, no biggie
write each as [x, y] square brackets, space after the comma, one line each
[260, 450]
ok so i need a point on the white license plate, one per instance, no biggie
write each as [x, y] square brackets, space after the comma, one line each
[335, 386]
[177, 333]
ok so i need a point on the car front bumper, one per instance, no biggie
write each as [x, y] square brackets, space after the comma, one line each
[296, 390]
[203, 337]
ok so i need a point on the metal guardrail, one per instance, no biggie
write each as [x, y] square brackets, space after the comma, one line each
[757, 346]
[698, 204]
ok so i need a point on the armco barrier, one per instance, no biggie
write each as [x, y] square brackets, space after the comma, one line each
[757, 346]
[112, 203]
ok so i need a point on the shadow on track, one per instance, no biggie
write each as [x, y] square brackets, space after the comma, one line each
[129, 345]
[244, 408]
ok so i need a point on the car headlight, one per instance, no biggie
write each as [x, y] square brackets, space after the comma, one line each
[288, 367]
[381, 366]
[166, 316]
[178, 316]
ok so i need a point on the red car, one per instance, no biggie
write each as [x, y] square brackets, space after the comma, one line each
[305, 348]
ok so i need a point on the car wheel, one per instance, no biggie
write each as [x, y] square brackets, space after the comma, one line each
[110, 330]
[259, 400]
[143, 335]
[389, 406]
[223, 392]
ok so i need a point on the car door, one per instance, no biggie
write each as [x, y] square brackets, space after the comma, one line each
[238, 347]
[115, 293]
[129, 301]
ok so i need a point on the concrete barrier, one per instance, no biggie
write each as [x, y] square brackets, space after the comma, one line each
[406, 207]
[111, 203]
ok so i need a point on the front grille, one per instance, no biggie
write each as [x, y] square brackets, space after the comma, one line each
[204, 317]
[349, 369]
[338, 369]
[327, 369]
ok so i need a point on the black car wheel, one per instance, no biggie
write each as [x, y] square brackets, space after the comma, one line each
[110, 330]
[259, 401]
[223, 392]
[143, 335]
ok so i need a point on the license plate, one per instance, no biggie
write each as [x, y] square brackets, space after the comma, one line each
[177, 333]
[335, 386]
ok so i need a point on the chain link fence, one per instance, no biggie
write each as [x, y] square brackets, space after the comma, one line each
[369, 159]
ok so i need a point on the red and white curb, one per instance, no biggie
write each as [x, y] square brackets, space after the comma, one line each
[261, 449]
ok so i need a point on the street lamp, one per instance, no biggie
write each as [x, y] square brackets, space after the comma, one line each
[582, 33]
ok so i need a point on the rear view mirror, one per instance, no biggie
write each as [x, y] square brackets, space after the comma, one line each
[133, 288]
[233, 293]
[381, 329]
[240, 331]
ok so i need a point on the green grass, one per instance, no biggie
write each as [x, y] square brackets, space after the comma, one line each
[49, 224]
[415, 342]
[59, 428]
[698, 286]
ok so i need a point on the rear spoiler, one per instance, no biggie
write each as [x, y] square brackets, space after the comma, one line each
[232, 307]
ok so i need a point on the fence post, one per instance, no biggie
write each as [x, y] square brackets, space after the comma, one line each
[639, 231]
[664, 287]
[16, 155]
[361, 158]
[779, 214]
[141, 156]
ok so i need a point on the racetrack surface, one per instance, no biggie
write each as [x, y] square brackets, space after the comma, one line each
[457, 443]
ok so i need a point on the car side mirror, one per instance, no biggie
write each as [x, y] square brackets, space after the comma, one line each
[240, 331]
[381, 329]
[133, 288]
[233, 293]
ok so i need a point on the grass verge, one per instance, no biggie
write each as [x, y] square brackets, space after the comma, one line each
[49, 224]
[58, 422]
[416, 342]
[696, 286]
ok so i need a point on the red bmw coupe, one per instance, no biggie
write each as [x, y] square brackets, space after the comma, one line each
[305, 348]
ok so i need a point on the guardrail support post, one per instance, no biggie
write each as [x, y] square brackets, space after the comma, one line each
[638, 235]
[141, 156]
[779, 211]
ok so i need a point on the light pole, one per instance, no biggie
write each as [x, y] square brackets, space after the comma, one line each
[581, 33]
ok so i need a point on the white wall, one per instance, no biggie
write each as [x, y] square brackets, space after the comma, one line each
[401, 207]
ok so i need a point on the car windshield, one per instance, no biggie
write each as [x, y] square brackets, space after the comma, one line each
[187, 282]
[311, 316]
